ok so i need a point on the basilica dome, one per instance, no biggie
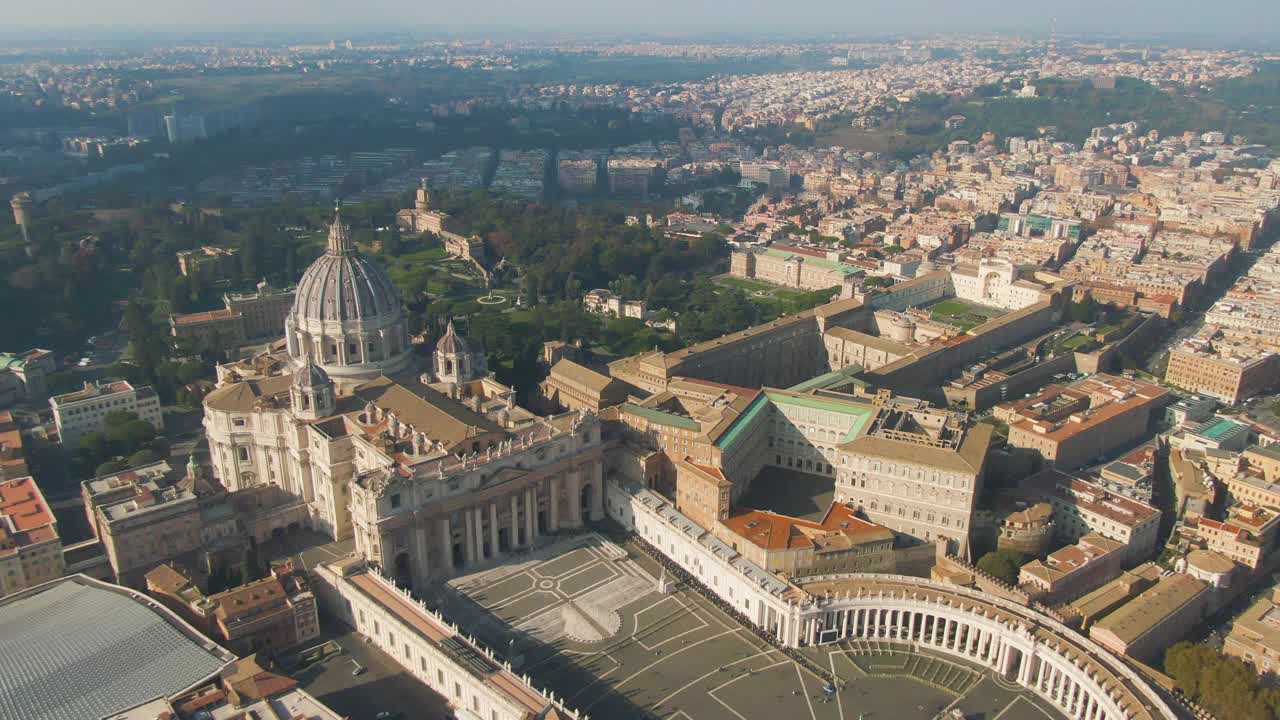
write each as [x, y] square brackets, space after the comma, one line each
[344, 285]
[347, 315]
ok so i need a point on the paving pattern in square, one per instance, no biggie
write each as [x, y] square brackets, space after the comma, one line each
[591, 626]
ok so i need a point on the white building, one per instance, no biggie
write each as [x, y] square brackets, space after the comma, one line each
[475, 682]
[84, 411]
[996, 282]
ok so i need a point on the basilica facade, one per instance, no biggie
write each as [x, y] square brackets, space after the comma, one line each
[430, 472]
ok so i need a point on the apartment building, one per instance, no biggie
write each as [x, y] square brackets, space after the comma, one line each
[793, 266]
[1074, 570]
[1247, 536]
[1074, 424]
[1082, 508]
[270, 614]
[245, 318]
[573, 387]
[84, 411]
[1162, 615]
[22, 376]
[1221, 370]
[141, 523]
[13, 458]
[30, 549]
[1255, 635]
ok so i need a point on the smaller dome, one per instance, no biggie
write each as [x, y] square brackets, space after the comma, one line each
[311, 375]
[452, 343]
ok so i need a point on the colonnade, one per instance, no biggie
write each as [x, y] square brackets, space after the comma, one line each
[1008, 650]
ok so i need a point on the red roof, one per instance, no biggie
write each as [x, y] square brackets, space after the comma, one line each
[781, 532]
[26, 512]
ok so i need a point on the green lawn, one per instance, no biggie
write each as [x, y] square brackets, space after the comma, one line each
[950, 307]
[1075, 341]
[743, 283]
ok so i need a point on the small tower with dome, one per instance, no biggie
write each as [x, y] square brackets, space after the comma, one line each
[455, 361]
[312, 394]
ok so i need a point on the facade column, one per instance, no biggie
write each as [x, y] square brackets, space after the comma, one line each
[386, 350]
[575, 499]
[530, 515]
[493, 529]
[515, 520]
[479, 527]
[446, 543]
[596, 470]
[421, 568]
[469, 521]
[554, 504]
[844, 624]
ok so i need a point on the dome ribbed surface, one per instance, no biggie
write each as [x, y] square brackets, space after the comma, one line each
[310, 375]
[345, 287]
[341, 285]
[452, 343]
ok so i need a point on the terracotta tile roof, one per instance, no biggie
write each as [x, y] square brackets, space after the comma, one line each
[839, 529]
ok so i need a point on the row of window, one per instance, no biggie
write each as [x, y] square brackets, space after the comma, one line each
[441, 684]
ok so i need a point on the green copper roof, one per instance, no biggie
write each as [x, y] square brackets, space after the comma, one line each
[831, 379]
[820, 262]
[661, 417]
[863, 413]
[728, 437]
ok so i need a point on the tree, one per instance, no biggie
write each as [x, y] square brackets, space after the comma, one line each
[109, 467]
[1225, 686]
[145, 456]
[1003, 564]
[94, 444]
[1083, 311]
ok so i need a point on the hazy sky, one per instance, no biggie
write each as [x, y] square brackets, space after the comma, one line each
[1235, 17]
